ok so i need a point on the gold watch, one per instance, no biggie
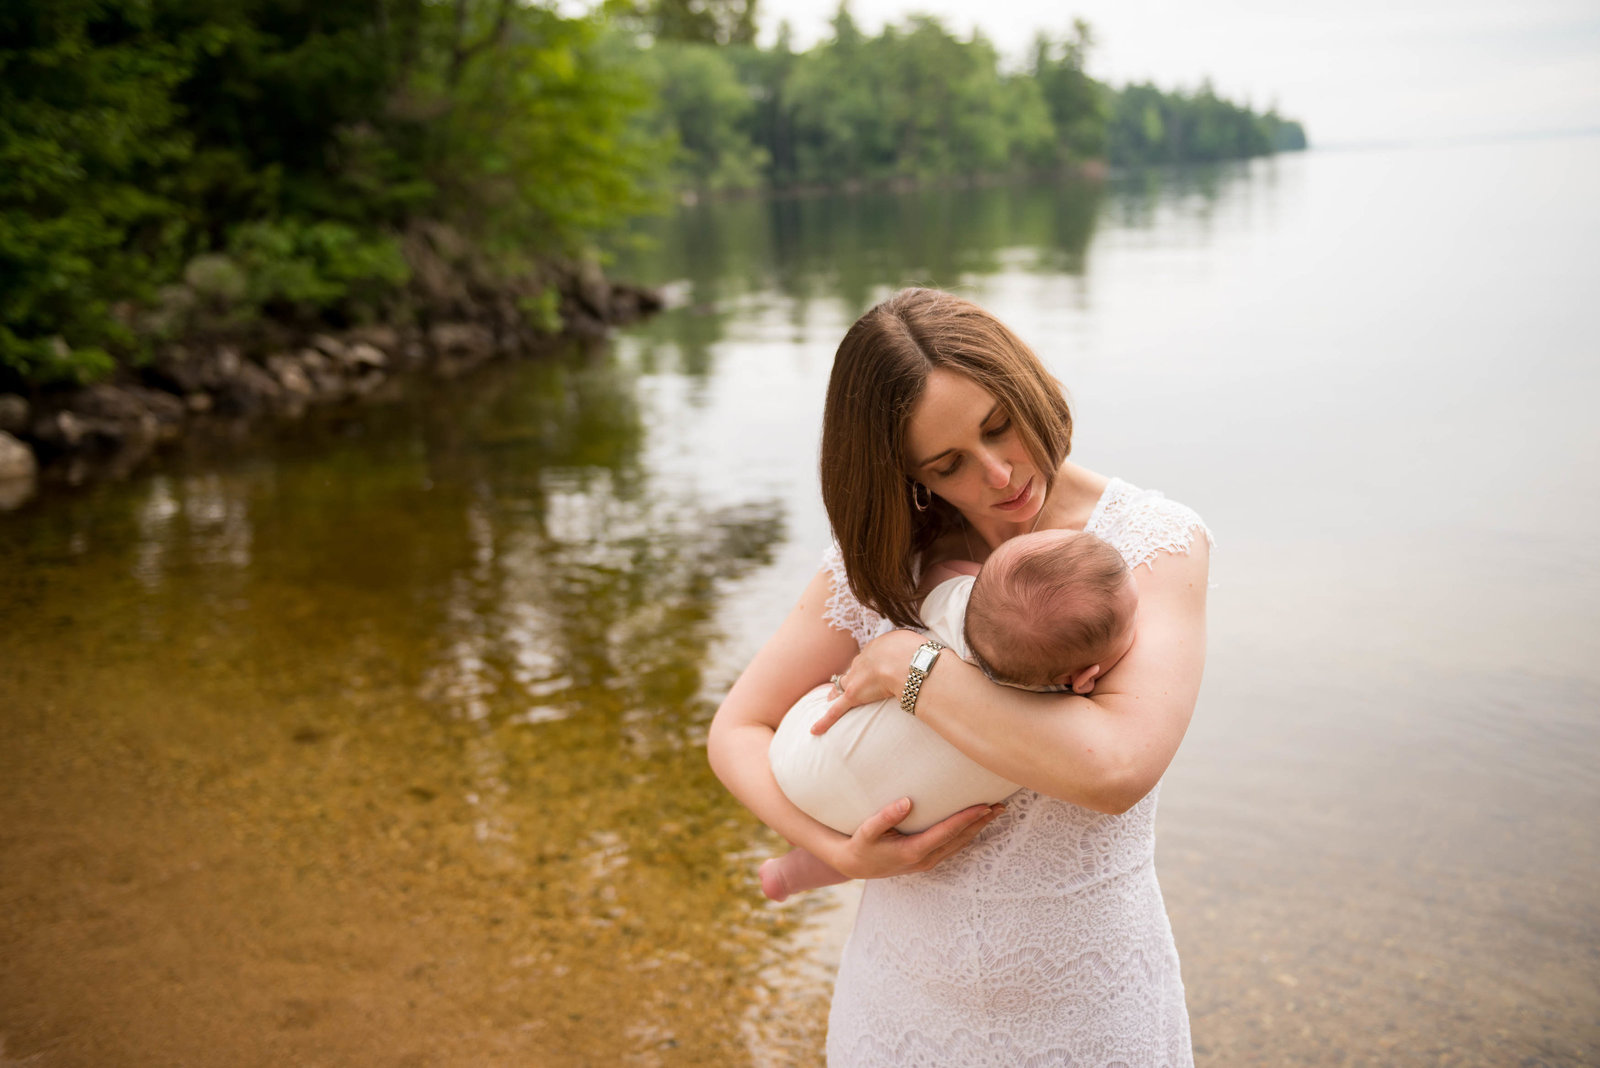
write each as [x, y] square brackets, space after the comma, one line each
[921, 664]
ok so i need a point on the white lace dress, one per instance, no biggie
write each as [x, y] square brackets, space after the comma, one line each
[1046, 941]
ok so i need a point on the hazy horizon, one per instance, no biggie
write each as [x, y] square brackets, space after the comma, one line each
[1356, 74]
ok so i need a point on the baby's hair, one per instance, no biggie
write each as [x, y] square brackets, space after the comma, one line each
[1050, 608]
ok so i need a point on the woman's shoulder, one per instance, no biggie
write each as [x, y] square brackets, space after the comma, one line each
[1143, 522]
[842, 611]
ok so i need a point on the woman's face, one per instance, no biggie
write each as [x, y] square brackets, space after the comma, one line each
[961, 443]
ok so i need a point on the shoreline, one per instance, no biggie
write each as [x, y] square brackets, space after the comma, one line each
[76, 435]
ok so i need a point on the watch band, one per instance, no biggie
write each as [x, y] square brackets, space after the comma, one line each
[916, 676]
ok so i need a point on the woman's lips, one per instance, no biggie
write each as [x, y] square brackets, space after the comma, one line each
[1019, 500]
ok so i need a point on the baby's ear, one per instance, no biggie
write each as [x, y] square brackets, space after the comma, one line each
[1082, 682]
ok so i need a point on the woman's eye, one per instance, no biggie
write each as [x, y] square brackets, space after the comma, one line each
[947, 472]
[1001, 429]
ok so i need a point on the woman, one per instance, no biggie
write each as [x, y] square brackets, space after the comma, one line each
[1031, 932]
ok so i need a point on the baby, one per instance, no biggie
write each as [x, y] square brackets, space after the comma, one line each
[1048, 611]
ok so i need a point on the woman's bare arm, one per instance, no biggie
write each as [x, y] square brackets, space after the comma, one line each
[1105, 751]
[802, 654]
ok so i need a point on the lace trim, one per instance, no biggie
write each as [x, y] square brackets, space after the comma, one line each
[842, 611]
[1142, 523]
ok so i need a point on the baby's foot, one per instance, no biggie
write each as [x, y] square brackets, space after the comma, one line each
[773, 884]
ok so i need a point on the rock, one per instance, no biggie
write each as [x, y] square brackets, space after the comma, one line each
[167, 408]
[110, 403]
[184, 371]
[113, 415]
[225, 364]
[313, 361]
[362, 355]
[386, 338]
[17, 461]
[579, 321]
[630, 303]
[329, 346]
[589, 285]
[290, 374]
[127, 412]
[249, 391]
[198, 402]
[61, 431]
[14, 413]
[434, 253]
[16, 492]
[329, 385]
[177, 367]
[461, 339]
[446, 240]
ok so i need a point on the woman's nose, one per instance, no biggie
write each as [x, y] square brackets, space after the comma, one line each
[996, 472]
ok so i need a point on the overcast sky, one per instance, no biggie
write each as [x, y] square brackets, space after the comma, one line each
[1355, 71]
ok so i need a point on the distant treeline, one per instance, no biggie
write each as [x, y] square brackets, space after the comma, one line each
[181, 168]
[912, 103]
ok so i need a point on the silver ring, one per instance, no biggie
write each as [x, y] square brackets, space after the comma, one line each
[838, 682]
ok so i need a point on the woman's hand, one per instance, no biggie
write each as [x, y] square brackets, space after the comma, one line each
[877, 672]
[877, 850]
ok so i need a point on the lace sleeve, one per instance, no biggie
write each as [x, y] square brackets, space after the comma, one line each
[843, 611]
[1142, 523]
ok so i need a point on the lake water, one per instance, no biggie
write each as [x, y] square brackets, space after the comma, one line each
[377, 738]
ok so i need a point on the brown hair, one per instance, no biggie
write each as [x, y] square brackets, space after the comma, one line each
[1046, 607]
[879, 373]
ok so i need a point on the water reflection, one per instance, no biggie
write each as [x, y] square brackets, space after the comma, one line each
[416, 695]
[841, 250]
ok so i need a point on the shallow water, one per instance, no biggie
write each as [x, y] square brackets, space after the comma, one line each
[380, 741]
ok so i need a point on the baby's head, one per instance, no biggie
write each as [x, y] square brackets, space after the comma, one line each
[1053, 608]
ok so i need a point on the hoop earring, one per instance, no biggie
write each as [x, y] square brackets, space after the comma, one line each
[921, 500]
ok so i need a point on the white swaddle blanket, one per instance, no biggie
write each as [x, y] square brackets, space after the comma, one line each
[877, 753]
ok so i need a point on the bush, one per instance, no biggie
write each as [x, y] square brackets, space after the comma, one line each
[298, 269]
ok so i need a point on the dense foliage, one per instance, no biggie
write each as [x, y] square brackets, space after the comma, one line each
[172, 163]
[173, 166]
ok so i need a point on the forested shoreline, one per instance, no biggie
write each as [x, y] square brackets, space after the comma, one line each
[912, 104]
[221, 202]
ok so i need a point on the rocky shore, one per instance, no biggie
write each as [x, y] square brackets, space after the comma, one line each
[110, 428]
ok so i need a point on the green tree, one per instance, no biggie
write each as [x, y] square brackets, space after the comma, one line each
[705, 108]
[1079, 105]
[89, 214]
[712, 22]
[532, 141]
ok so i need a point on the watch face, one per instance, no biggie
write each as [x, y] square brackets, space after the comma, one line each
[923, 658]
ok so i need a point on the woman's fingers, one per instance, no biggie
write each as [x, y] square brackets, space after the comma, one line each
[882, 822]
[951, 835]
[840, 706]
[878, 672]
[877, 849]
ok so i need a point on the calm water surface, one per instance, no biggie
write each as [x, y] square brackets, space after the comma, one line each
[380, 741]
